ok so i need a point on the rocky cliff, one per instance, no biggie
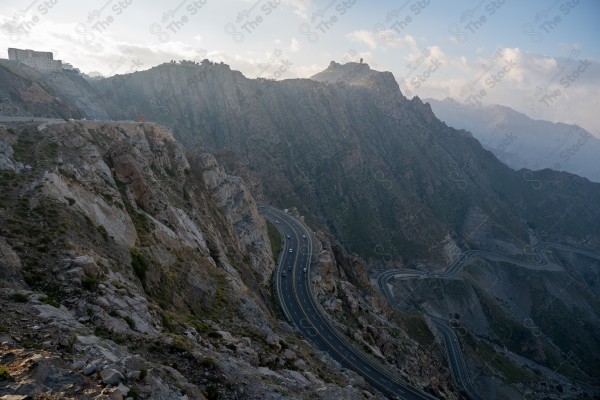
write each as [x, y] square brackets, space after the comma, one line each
[355, 156]
[28, 92]
[352, 153]
[131, 270]
[104, 216]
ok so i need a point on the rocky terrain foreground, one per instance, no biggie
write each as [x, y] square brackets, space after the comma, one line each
[129, 269]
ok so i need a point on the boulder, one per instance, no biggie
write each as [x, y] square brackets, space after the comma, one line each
[274, 340]
[111, 376]
[289, 355]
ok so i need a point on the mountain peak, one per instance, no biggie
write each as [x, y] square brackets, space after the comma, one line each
[351, 72]
[359, 74]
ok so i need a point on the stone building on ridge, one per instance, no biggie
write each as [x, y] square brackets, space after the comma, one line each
[41, 60]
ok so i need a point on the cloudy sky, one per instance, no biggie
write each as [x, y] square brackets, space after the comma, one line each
[541, 57]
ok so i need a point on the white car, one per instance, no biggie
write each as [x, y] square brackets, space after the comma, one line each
[289, 237]
[304, 270]
[291, 250]
[303, 236]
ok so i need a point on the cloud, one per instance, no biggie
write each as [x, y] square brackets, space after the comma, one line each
[364, 37]
[294, 46]
[300, 7]
[558, 89]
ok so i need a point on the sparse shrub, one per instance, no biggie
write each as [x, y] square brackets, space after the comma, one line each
[139, 264]
[129, 321]
[133, 393]
[211, 392]
[102, 230]
[4, 374]
[143, 373]
[89, 283]
[32, 278]
[208, 363]
[70, 200]
[51, 301]
[19, 297]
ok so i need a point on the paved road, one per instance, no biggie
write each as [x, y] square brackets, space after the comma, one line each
[294, 292]
[460, 374]
[4, 118]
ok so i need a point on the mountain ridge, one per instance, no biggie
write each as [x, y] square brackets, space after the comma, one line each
[523, 142]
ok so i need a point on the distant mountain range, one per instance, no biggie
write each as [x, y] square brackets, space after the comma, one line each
[522, 142]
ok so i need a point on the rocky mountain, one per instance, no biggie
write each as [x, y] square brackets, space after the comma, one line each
[355, 156]
[132, 269]
[522, 142]
[522, 322]
[382, 180]
[28, 92]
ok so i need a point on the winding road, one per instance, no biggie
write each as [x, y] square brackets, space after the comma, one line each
[294, 293]
[456, 360]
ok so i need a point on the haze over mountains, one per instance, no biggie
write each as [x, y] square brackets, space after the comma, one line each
[523, 142]
[384, 181]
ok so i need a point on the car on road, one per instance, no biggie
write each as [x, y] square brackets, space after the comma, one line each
[291, 250]
[289, 267]
[303, 236]
[283, 274]
[304, 270]
[289, 237]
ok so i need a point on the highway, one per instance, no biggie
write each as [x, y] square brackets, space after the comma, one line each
[294, 293]
[456, 360]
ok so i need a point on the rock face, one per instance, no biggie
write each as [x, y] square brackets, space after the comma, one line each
[351, 152]
[354, 155]
[144, 273]
[110, 230]
[237, 203]
[27, 92]
[373, 326]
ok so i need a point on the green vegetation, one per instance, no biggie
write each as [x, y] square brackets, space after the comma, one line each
[19, 298]
[106, 334]
[274, 238]
[417, 330]
[133, 393]
[572, 331]
[139, 265]
[143, 226]
[211, 392]
[70, 200]
[50, 301]
[4, 374]
[512, 333]
[511, 372]
[89, 283]
[143, 373]
[102, 230]
[208, 363]
[129, 321]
